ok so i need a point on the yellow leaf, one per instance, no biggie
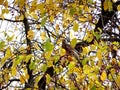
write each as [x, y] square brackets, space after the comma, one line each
[118, 7]
[99, 54]
[75, 26]
[22, 79]
[105, 5]
[21, 17]
[86, 9]
[51, 18]
[117, 80]
[27, 76]
[57, 27]
[8, 52]
[86, 70]
[71, 65]
[49, 63]
[85, 50]
[43, 35]
[103, 76]
[38, 26]
[83, 19]
[49, 1]
[89, 37]
[35, 16]
[21, 3]
[7, 55]
[36, 46]
[41, 8]
[48, 54]
[14, 70]
[30, 34]
[62, 52]
[5, 3]
[1, 2]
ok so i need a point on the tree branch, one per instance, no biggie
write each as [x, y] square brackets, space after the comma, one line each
[11, 20]
[10, 81]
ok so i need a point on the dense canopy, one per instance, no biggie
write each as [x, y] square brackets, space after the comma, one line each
[60, 44]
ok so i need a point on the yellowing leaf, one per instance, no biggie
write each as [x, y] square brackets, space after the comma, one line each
[28, 57]
[49, 63]
[118, 7]
[2, 44]
[7, 55]
[71, 65]
[103, 76]
[43, 21]
[73, 42]
[44, 67]
[30, 34]
[117, 80]
[32, 65]
[48, 78]
[48, 46]
[75, 26]
[110, 5]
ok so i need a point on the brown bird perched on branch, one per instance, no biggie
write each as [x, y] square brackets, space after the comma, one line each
[70, 51]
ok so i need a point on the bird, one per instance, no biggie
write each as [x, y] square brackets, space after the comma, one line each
[70, 51]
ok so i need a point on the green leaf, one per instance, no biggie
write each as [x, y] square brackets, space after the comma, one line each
[48, 78]
[93, 88]
[71, 65]
[20, 58]
[90, 1]
[32, 66]
[97, 35]
[43, 21]
[2, 44]
[9, 38]
[48, 46]
[72, 11]
[84, 62]
[110, 5]
[44, 67]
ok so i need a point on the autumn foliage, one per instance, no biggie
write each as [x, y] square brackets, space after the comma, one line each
[60, 44]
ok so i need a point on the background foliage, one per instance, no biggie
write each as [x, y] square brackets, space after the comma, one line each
[60, 44]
